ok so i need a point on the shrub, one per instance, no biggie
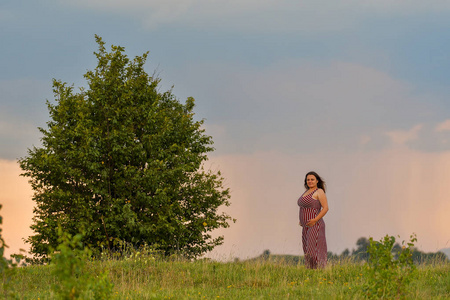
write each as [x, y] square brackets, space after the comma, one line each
[389, 274]
[73, 282]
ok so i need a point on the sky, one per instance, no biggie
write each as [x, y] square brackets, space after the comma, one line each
[357, 91]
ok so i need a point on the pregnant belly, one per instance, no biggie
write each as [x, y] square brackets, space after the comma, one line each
[307, 214]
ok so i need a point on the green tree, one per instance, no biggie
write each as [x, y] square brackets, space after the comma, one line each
[361, 251]
[124, 162]
[345, 253]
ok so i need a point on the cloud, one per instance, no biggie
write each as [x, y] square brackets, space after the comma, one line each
[291, 105]
[364, 140]
[444, 126]
[258, 16]
[301, 106]
[401, 137]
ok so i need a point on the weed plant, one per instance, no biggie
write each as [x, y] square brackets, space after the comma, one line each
[73, 279]
[389, 274]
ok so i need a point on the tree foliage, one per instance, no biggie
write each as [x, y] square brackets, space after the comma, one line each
[361, 253]
[124, 162]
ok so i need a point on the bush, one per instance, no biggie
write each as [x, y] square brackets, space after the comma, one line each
[73, 282]
[389, 273]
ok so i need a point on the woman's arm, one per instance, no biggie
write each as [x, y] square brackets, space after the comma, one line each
[322, 197]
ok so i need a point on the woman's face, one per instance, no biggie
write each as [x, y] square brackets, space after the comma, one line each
[311, 181]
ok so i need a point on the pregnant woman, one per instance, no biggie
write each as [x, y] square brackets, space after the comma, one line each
[313, 206]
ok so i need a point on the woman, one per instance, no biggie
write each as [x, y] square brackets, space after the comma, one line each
[313, 206]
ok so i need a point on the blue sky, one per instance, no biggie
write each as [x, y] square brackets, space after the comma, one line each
[54, 39]
[348, 88]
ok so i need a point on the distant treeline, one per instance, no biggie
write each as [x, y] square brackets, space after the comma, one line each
[360, 253]
[357, 255]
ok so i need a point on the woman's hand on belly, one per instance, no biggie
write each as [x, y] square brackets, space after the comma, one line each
[311, 222]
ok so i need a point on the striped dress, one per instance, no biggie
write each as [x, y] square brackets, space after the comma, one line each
[313, 238]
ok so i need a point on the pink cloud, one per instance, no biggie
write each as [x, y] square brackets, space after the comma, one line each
[444, 126]
[400, 137]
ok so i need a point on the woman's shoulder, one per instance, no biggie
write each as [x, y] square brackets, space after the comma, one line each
[319, 191]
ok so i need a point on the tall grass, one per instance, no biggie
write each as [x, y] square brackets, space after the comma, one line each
[148, 276]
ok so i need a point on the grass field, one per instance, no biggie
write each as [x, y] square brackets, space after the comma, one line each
[147, 277]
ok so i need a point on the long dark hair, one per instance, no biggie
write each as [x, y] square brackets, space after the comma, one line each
[320, 184]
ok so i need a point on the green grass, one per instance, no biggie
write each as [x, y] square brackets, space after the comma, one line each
[152, 278]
